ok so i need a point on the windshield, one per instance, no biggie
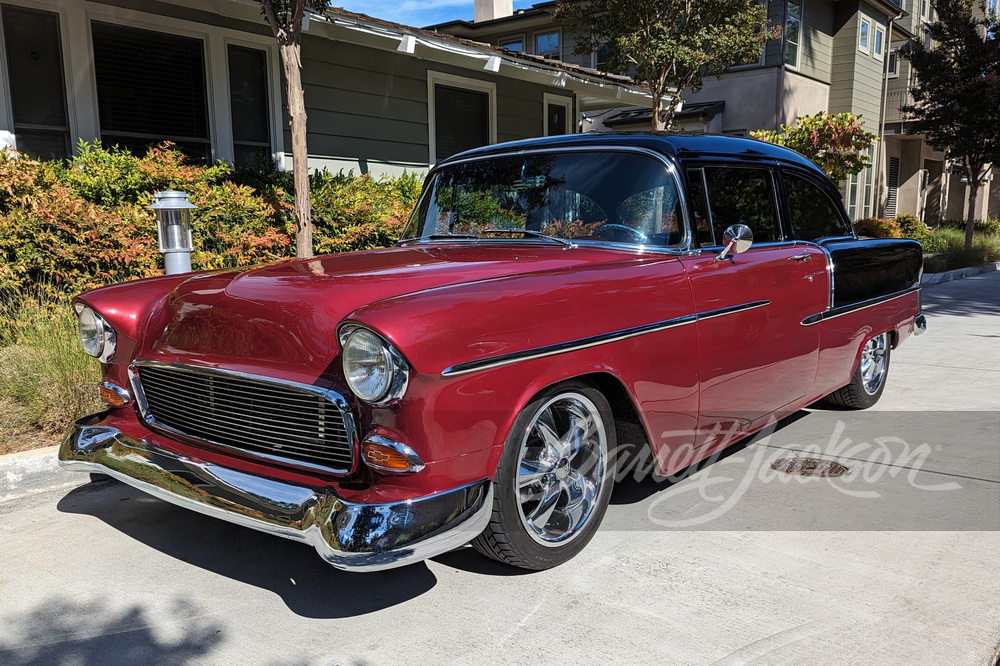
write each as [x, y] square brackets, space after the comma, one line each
[610, 196]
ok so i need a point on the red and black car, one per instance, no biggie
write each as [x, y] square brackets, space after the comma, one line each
[472, 382]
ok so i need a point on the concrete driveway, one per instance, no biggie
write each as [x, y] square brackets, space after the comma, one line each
[895, 562]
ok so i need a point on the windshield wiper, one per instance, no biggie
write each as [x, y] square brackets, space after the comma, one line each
[529, 232]
[436, 237]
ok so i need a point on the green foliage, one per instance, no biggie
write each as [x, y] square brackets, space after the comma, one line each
[669, 45]
[877, 227]
[837, 144]
[952, 254]
[46, 379]
[987, 226]
[956, 100]
[70, 226]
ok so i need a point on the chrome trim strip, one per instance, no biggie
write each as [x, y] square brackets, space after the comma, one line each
[348, 535]
[829, 272]
[593, 341]
[833, 313]
[332, 396]
[416, 464]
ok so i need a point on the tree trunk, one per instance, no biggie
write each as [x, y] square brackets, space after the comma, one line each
[658, 125]
[970, 220]
[300, 153]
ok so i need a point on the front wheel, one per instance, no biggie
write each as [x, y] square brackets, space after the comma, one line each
[553, 482]
[868, 381]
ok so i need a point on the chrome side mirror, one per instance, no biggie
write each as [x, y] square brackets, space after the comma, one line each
[737, 239]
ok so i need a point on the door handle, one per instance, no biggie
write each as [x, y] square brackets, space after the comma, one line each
[800, 257]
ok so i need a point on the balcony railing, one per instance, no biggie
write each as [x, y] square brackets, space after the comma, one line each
[894, 99]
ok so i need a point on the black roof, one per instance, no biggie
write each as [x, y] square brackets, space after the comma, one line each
[673, 145]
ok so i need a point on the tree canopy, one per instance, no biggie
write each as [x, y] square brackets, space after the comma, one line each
[956, 100]
[837, 144]
[669, 45]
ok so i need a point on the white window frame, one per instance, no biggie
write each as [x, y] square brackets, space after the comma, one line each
[878, 44]
[560, 100]
[798, 44]
[547, 31]
[434, 78]
[514, 38]
[81, 76]
[66, 24]
[892, 72]
[865, 36]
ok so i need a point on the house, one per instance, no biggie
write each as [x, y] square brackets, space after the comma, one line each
[381, 97]
[833, 56]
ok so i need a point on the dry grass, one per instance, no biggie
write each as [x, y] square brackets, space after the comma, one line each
[46, 379]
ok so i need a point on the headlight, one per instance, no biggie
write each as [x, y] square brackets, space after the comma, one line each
[96, 335]
[374, 370]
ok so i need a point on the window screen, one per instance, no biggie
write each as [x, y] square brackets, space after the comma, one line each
[248, 103]
[461, 119]
[150, 88]
[810, 211]
[741, 196]
[38, 98]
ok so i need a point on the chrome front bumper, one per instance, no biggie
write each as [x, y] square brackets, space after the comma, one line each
[357, 537]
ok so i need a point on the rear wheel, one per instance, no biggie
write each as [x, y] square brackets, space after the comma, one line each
[553, 483]
[868, 381]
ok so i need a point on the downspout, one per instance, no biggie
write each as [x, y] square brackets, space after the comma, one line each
[880, 147]
[780, 92]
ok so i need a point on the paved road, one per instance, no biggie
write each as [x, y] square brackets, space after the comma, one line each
[896, 562]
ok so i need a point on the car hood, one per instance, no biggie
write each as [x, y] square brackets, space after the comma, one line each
[287, 314]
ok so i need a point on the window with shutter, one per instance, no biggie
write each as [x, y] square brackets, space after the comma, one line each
[462, 119]
[150, 88]
[37, 84]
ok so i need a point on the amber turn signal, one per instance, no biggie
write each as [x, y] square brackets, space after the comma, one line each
[389, 456]
[114, 395]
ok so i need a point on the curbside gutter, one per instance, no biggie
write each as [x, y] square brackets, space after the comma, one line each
[937, 278]
[29, 472]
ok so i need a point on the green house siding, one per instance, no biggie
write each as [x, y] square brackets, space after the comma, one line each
[369, 104]
[856, 76]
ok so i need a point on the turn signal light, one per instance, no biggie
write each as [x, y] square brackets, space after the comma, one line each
[389, 456]
[114, 395]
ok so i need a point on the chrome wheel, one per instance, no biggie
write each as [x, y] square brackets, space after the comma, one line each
[874, 364]
[561, 468]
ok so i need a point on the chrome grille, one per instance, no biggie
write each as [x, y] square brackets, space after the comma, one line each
[265, 418]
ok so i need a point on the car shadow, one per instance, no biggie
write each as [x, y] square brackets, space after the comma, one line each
[308, 586]
[632, 488]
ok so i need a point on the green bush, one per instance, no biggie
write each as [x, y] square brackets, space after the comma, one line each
[910, 226]
[987, 226]
[877, 227]
[81, 223]
[951, 252]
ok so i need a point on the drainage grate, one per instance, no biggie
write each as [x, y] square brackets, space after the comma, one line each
[809, 467]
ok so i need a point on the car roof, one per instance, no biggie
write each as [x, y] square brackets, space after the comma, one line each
[672, 145]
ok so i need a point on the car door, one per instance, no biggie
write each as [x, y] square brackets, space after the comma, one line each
[755, 355]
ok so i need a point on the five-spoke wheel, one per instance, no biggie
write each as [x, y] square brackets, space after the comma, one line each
[869, 379]
[553, 482]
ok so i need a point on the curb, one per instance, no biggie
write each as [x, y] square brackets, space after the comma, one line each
[29, 472]
[948, 276]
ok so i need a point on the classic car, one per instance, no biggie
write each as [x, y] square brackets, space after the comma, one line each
[474, 382]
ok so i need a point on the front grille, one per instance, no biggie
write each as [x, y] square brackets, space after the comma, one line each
[255, 415]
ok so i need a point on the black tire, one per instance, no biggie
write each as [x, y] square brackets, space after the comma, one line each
[868, 382]
[525, 490]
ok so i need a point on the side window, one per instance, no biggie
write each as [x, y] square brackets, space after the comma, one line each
[741, 196]
[810, 211]
[700, 217]
[654, 212]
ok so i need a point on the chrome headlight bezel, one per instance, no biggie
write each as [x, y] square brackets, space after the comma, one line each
[397, 369]
[102, 342]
